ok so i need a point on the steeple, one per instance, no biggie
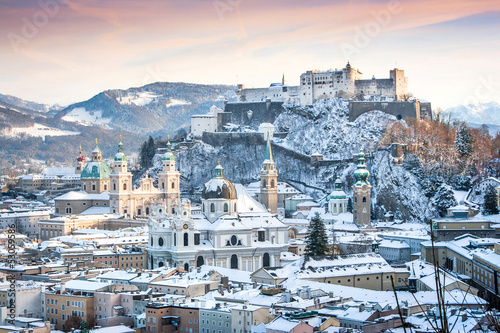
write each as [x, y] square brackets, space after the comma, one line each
[96, 153]
[169, 155]
[269, 180]
[120, 155]
[269, 152]
[219, 170]
[283, 79]
[361, 192]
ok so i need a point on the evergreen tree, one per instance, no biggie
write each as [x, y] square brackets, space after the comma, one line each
[490, 201]
[349, 205]
[464, 141]
[444, 199]
[317, 241]
[148, 150]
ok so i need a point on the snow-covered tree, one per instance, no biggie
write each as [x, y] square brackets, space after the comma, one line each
[464, 141]
[317, 241]
[444, 199]
[490, 201]
[349, 205]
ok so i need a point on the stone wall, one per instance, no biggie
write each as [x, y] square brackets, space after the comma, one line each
[254, 113]
[400, 110]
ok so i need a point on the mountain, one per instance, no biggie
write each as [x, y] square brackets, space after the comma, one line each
[156, 109]
[19, 104]
[30, 137]
[480, 113]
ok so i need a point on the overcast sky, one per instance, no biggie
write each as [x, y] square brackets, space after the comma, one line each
[65, 51]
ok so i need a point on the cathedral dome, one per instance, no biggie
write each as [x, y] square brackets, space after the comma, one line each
[96, 170]
[219, 187]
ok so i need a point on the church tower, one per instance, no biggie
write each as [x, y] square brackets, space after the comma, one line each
[269, 181]
[168, 180]
[80, 162]
[361, 191]
[121, 183]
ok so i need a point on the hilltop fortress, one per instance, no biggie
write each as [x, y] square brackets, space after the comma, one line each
[256, 106]
[314, 85]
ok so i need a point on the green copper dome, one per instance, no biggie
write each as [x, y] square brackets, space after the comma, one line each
[120, 155]
[96, 170]
[361, 174]
[338, 193]
[169, 155]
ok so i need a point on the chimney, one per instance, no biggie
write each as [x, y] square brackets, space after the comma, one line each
[287, 296]
[362, 307]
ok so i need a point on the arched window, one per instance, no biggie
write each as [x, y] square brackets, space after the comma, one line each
[226, 207]
[139, 212]
[264, 183]
[272, 183]
[266, 260]
[212, 208]
[84, 187]
[105, 187]
[173, 185]
[234, 261]
[162, 184]
[124, 186]
[186, 239]
[151, 241]
[147, 210]
[203, 208]
[161, 264]
[114, 186]
[160, 241]
[68, 210]
[175, 239]
[93, 187]
[364, 199]
[186, 267]
[200, 262]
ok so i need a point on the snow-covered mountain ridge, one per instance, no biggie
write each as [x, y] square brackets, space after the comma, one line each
[480, 113]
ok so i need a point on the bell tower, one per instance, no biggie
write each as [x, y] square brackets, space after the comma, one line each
[121, 184]
[269, 181]
[168, 180]
[361, 192]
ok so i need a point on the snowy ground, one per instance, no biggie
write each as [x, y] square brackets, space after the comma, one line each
[175, 102]
[40, 130]
[82, 116]
[139, 98]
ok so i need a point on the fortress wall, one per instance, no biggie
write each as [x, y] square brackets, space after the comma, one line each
[261, 112]
[400, 110]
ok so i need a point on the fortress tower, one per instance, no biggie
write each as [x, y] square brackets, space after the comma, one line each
[361, 192]
[269, 181]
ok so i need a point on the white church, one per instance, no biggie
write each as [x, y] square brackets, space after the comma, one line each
[233, 230]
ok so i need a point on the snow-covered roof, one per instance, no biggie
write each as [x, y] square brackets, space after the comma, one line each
[84, 285]
[281, 324]
[393, 244]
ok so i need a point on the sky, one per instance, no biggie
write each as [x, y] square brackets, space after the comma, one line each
[66, 51]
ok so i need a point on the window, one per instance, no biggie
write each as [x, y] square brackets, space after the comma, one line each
[226, 207]
[212, 208]
[186, 239]
[125, 186]
[173, 185]
[93, 187]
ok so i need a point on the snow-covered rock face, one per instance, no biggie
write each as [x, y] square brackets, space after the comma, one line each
[325, 128]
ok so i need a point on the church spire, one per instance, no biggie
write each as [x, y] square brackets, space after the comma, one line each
[269, 152]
